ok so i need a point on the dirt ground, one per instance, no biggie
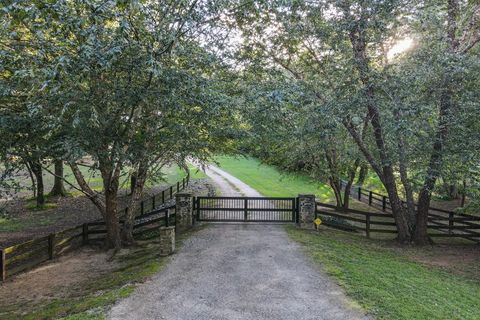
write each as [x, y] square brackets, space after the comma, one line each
[56, 279]
[461, 259]
[64, 277]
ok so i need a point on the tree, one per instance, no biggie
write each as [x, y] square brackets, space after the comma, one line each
[458, 44]
[129, 83]
[58, 188]
[338, 50]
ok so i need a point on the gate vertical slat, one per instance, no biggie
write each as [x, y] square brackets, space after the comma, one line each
[293, 210]
[245, 214]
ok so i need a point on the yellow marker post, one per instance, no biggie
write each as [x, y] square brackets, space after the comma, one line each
[317, 222]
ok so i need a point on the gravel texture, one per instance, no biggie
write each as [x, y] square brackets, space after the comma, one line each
[238, 271]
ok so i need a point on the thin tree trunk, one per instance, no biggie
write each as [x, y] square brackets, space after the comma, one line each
[32, 179]
[436, 158]
[384, 170]
[58, 185]
[36, 168]
[407, 186]
[408, 190]
[464, 193]
[334, 178]
[137, 193]
[348, 186]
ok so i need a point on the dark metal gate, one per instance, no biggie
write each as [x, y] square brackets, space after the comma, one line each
[246, 209]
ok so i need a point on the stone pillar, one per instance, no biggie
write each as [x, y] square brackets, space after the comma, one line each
[167, 241]
[183, 211]
[306, 210]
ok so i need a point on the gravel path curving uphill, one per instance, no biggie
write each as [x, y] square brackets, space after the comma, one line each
[238, 271]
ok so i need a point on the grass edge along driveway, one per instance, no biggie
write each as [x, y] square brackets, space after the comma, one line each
[387, 284]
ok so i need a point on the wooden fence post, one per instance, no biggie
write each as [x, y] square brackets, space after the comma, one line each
[163, 196]
[167, 218]
[183, 183]
[178, 186]
[384, 203]
[3, 265]
[85, 233]
[359, 193]
[153, 203]
[51, 246]
[370, 197]
[367, 225]
[450, 223]
[171, 192]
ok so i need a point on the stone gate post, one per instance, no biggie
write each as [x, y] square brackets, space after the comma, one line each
[167, 241]
[184, 211]
[306, 210]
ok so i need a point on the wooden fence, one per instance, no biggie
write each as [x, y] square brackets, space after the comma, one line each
[441, 223]
[26, 255]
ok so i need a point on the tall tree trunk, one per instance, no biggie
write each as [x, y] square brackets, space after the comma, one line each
[58, 185]
[334, 177]
[113, 239]
[407, 186]
[136, 197]
[36, 168]
[436, 158]
[384, 170]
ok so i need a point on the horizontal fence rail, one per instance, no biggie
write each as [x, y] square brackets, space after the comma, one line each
[245, 209]
[441, 223]
[26, 255]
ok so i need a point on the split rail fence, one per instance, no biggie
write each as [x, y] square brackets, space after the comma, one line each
[26, 255]
[441, 223]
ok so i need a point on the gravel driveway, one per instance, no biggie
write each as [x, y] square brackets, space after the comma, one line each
[238, 271]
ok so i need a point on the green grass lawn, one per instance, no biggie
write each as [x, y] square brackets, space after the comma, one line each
[386, 282]
[269, 181]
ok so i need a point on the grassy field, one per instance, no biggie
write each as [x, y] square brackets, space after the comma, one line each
[269, 181]
[385, 280]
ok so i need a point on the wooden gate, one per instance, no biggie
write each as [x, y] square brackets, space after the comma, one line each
[246, 209]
